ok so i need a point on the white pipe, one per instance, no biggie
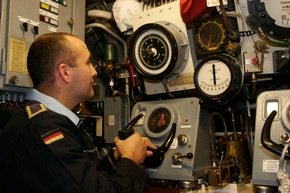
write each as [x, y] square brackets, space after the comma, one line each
[100, 14]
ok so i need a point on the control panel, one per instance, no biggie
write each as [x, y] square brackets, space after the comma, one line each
[189, 153]
[266, 163]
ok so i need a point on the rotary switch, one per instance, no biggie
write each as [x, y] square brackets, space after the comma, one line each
[182, 139]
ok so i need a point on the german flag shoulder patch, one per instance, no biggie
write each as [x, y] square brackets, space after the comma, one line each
[52, 136]
[35, 109]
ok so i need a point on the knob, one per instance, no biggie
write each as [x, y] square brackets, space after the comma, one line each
[13, 80]
[177, 158]
[284, 137]
[182, 139]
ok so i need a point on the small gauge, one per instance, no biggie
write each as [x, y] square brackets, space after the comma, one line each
[157, 50]
[158, 121]
[218, 78]
[210, 35]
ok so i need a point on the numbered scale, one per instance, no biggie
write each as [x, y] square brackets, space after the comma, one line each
[218, 78]
[272, 22]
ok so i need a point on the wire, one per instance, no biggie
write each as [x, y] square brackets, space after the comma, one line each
[282, 175]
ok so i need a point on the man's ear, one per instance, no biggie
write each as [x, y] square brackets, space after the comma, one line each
[64, 72]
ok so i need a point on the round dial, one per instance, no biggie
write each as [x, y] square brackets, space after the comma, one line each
[211, 35]
[271, 19]
[158, 121]
[154, 51]
[214, 77]
[157, 50]
[218, 78]
[286, 114]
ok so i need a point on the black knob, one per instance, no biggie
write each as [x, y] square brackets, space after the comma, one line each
[189, 155]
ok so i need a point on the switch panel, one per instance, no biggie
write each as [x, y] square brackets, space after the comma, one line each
[20, 25]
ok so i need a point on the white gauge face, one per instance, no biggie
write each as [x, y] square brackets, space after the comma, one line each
[214, 77]
[280, 13]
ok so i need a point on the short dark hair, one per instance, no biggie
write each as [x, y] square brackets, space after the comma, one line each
[45, 54]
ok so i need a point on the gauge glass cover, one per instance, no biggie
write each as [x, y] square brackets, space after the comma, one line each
[153, 51]
[214, 77]
[159, 120]
[211, 36]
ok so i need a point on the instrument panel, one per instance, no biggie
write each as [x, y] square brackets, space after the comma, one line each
[161, 51]
[191, 136]
[266, 163]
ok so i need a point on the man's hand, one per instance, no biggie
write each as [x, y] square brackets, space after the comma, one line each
[135, 147]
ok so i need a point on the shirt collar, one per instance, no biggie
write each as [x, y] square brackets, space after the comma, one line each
[52, 104]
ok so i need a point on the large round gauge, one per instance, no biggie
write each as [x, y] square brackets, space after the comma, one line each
[158, 121]
[218, 78]
[270, 18]
[157, 50]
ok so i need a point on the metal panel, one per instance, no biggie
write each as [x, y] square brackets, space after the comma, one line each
[266, 163]
[20, 25]
[114, 117]
[191, 136]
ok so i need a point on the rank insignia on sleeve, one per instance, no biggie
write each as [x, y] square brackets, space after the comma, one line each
[35, 109]
[52, 136]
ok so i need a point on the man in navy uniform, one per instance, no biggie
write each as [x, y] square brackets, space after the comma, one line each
[42, 148]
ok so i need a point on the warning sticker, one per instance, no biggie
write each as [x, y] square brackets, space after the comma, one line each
[270, 166]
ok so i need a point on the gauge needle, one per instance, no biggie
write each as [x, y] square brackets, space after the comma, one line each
[208, 43]
[213, 73]
[161, 121]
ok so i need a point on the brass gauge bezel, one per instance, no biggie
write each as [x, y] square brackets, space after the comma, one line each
[210, 36]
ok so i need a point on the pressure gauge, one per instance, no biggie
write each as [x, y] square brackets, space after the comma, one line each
[158, 50]
[270, 18]
[218, 78]
[158, 121]
[210, 36]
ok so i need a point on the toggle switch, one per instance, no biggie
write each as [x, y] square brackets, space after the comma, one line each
[35, 29]
[177, 158]
[24, 26]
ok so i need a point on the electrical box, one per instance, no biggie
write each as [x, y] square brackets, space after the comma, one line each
[114, 117]
[21, 22]
[191, 137]
[266, 163]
